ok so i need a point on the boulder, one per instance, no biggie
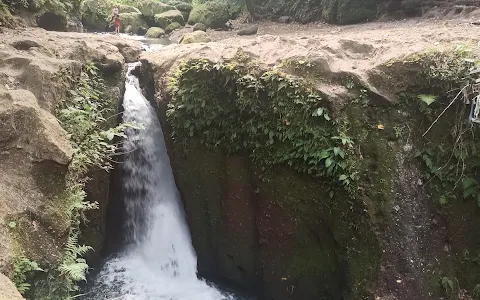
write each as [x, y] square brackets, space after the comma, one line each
[35, 130]
[173, 26]
[142, 30]
[150, 8]
[213, 14]
[155, 32]
[185, 8]
[195, 37]
[250, 30]
[9, 291]
[168, 17]
[135, 20]
[199, 26]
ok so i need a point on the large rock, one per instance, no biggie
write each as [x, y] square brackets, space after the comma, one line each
[37, 71]
[150, 8]
[199, 26]
[184, 7]
[173, 26]
[195, 37]
[269, 228]
[213, 14]
[168, 17]
[155, 32]
[8, 289]
[135, 20]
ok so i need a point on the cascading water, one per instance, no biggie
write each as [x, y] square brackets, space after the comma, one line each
[159, 261]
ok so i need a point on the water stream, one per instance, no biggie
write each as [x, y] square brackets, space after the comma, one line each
[159, 261]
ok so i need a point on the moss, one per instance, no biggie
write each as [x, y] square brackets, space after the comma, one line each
[212, 14]
[172, 27]
[166, 18]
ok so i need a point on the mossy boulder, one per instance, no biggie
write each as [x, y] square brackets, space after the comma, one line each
[195, 37]
[185, 8]
[133, 19]
[213, 14]
[199, 26]
[150, 8]
[155, 32]
[168, 17]
[172, 26]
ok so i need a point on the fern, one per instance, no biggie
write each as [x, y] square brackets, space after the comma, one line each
[74, 267]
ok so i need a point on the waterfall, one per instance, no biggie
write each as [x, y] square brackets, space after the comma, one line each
[159, 261]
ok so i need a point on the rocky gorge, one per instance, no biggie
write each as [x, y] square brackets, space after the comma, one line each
[323, 162]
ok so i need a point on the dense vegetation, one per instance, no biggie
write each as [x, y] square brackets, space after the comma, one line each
[85, 117]
[283, 120]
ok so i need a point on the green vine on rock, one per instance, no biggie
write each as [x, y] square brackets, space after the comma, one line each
[273, 117]
[85, 118]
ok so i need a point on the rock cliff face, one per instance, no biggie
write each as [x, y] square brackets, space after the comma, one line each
[280, 233]
[34, 149]
[355, 11]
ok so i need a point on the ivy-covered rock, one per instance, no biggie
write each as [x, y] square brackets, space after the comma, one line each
[172, 26]
[133, 19]
[199, 26]
[150, 8]
[195, 37]
[213, 14]
[155, 32]
[164, 19]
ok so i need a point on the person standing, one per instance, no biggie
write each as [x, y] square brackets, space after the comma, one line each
[116, 19]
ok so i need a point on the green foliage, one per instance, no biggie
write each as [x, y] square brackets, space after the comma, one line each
[275, 118]
[74, 267]
[446, 283]
[22, 268]
[427, 99]
[83, 116]
[449, 150]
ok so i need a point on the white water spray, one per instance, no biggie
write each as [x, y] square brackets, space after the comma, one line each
[160, 262]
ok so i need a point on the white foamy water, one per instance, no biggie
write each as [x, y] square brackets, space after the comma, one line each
[159, 261]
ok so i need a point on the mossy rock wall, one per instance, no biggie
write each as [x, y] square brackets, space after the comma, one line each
[268, 232]
[407, 227]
